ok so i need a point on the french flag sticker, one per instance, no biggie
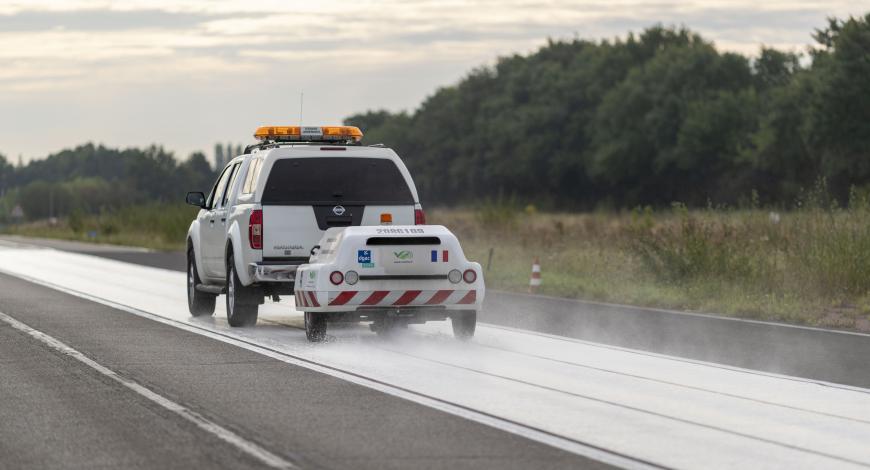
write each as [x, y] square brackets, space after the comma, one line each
[444, 256]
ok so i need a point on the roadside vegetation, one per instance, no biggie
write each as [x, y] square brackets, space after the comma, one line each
[808, 265]
[155, 226]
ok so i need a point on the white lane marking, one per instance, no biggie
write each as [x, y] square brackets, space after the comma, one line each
[218, 431]
[18, 241]
[15, 245]
[602, 455]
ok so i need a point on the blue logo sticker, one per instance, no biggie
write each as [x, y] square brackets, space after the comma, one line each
[364, 256]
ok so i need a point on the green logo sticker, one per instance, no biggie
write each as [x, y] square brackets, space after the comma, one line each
[404, 256]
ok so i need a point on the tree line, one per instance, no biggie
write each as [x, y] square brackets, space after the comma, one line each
[93, 178]
[657, 117]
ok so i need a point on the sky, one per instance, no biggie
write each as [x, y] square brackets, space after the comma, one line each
[188, 74]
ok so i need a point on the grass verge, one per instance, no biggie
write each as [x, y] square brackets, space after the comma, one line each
[809, 266]
[155, 226]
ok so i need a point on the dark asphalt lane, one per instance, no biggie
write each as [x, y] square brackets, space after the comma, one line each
[826, 355]
[56, 413]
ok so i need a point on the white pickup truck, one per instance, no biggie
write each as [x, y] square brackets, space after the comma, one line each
[270, 207]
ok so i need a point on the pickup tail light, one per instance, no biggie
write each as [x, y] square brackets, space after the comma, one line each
[419, 217]
[255, 229]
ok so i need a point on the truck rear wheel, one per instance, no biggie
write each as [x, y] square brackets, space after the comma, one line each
[315, 326]
[199, 303]
[464, 323]
[239, 312]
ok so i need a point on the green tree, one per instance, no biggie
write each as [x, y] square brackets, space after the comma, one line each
[195, 174]
[671, 128]
[839, 121]
[6, 171]
[775, 68]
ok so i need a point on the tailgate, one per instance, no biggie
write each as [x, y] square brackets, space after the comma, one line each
[295, 230]
[289, 231]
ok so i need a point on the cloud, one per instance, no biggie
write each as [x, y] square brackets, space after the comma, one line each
[99, 20]
[237, 63]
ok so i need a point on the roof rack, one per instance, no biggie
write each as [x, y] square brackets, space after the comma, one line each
[312, 143]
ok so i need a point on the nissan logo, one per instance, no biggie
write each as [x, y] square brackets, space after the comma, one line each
[338, 210]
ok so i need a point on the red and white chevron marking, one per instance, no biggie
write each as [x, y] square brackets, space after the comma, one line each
[385, 298]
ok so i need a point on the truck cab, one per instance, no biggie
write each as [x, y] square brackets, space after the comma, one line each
[270, 207]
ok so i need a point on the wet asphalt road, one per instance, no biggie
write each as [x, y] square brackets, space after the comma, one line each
[57, 413]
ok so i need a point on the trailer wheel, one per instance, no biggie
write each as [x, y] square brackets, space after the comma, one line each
[315, 326]
[464, 323]
[199, 303]
[239, 313]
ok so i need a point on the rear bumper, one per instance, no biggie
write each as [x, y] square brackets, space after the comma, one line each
[402, 299]
[414, 315]
[272, 272]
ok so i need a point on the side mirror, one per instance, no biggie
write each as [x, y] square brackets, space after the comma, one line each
[196, 199]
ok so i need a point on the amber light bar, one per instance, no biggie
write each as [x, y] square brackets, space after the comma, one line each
[309, 133]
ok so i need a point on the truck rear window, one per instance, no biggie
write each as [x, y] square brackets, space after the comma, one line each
[330, 180]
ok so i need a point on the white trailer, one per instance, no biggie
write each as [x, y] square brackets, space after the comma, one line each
[390, 276]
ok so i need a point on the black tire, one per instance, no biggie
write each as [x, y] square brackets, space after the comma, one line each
[464, 323]
[315, 326]
[199, 303]
[239, 312]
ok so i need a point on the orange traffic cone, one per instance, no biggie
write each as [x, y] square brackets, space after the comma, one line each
[535, 280]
